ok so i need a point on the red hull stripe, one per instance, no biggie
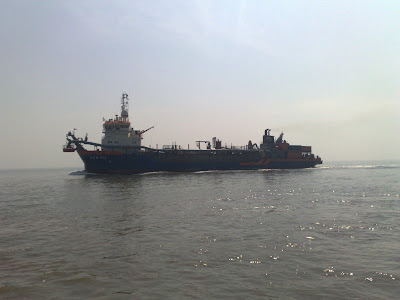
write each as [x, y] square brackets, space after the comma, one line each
[84, 152]
[116, 122]
[266, 162]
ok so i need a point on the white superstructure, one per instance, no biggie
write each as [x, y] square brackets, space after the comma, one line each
[118, 131]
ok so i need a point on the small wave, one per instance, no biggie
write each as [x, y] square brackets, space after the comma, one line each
[202, 172]
[370, 167]
[360, 166]
[78, 173]
[82, 173]
[152, 173]
[324, 167]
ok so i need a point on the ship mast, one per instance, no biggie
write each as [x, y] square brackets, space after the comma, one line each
[124, 107]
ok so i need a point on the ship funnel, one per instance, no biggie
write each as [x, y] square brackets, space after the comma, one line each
[214, 142]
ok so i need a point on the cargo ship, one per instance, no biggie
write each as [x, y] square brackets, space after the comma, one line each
[121, 152]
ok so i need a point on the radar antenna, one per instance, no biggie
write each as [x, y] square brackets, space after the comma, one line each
[124, 100]
[124, 107]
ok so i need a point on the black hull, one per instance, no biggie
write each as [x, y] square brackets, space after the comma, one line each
[106, 162]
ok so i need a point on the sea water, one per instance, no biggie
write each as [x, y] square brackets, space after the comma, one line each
[330, 232]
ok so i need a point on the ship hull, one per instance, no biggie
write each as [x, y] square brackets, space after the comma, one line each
[114, 162]
[122, 152]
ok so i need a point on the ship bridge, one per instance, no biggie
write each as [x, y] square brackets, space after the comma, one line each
[118, 131]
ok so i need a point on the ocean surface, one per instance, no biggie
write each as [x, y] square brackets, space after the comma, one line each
[330, 232]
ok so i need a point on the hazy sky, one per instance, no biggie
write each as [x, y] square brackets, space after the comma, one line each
[327, 73]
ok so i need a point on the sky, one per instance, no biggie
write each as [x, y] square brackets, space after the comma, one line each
[326, 73]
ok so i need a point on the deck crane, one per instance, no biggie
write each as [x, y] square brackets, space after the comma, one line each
[279, 139]
[207, 142]
[143, 131]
